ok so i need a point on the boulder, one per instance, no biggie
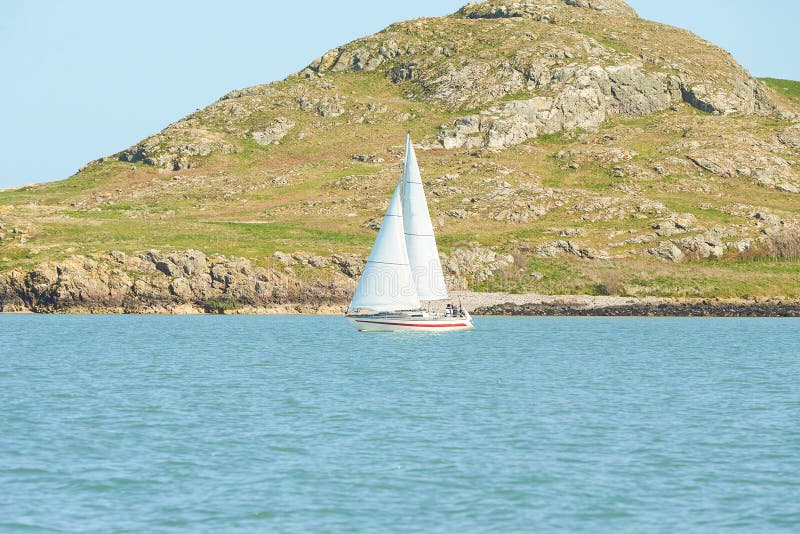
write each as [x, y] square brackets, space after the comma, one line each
[790, 137]
[708, 245]
[667, 250]
[716, 164]
[556, 248]
[189, 262]
[351, 265]
[279, 128]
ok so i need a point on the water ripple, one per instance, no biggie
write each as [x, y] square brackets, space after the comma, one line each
[301, 423]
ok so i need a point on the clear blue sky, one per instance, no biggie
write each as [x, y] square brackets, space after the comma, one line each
[87, 78]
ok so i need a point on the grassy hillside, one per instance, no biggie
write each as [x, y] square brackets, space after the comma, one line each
[613, 191]
[788, 88]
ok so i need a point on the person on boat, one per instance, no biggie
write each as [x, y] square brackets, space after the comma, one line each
[448, 312]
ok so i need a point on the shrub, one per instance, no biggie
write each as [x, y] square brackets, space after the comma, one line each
[611, 283]
[784, 245]
[220, 306]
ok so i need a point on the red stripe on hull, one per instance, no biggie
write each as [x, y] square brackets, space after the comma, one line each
[415, 324]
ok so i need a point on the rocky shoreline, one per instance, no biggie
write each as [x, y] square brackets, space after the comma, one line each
[189, 282]
[590, 306]
[68, 297]
[183, 282]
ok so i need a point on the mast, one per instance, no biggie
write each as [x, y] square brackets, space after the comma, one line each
[423, 255]
[386, 283]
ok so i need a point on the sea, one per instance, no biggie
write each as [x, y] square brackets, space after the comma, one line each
[302, 424]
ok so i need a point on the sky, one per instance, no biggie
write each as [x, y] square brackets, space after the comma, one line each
[87, 78]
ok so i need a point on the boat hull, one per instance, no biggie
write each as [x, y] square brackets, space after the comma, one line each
[367, 323]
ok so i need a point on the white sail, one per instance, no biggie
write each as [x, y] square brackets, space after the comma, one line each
[386, 283]
[423, 255]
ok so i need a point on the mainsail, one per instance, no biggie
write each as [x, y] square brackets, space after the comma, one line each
[426, 268]
[386, 283]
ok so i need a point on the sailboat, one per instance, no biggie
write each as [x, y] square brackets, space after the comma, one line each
[403, 268]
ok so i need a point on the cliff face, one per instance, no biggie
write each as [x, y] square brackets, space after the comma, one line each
[566, 145]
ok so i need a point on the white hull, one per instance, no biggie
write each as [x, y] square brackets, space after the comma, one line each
[408, 323]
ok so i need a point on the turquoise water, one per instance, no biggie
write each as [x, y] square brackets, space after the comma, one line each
[151, 424]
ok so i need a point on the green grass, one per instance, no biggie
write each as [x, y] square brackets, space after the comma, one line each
[789, 88]
[93, 177]
[220, 306]
[261, 239]
[618, 45]
[519, 95]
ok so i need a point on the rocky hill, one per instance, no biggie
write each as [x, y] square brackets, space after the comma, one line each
[568, 146]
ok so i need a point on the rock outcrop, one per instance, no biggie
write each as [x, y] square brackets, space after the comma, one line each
[757, 164]
[540, 8]
[275, 132]
[585, 98]
[153, 282]
[572, 79]
[474, 264]
[556, 248]
[171, 153]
